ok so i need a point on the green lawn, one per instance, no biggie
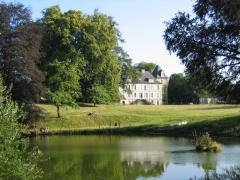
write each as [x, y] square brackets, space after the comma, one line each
[224, 118]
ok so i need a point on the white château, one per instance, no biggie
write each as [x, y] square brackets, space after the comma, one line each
[149, 88]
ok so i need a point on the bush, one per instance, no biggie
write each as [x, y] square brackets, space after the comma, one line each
[205, 143]
[17, 160]
[99, 95]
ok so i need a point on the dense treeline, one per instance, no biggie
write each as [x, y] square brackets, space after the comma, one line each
[62, 57]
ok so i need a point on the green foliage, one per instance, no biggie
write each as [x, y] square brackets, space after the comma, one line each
[63, 83]
[205, 143]
[89, 42]
[102, 64]
[17, 160]
[146, 66]
[128, 71]
[209, 45]
[180, 91]
[99, 95]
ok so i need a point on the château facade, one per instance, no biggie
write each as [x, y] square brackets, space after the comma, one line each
[149, 88]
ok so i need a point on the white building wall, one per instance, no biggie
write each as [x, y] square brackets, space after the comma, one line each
[153, 93]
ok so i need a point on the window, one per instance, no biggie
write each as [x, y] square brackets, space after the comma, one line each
[152, 95]
[158, 87]
[140, 95]
[145, 87]
[135, 95]
[146, 95]
[135, 87]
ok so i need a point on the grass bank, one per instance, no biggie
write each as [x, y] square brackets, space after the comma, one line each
[173, 120]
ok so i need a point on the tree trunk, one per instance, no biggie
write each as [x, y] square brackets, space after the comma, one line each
[58, 111]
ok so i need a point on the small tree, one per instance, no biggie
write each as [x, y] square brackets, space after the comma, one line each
[99, 95]
[63, 84]
[17, 160]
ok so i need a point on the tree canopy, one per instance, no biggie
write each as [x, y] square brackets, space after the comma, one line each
[209, 44]
[99, 95]
[20, 40]
[63, 84]
[89, 42]
[180, 91]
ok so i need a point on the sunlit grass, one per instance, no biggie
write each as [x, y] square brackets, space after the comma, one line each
[113, 115]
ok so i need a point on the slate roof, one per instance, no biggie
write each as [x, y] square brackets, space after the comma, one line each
[158, 72]
[147, 77]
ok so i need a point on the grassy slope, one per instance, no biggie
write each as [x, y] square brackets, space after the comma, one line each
[219, 119]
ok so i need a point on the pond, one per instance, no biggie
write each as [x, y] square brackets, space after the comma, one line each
[130, 158]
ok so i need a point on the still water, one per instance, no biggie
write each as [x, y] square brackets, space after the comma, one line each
[130, 158]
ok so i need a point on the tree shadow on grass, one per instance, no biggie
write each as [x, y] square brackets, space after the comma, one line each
[86, 105]
[229, 126]
[225, 127]
[220, 107]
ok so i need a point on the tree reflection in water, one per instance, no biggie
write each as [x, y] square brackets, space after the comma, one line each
[122, 158]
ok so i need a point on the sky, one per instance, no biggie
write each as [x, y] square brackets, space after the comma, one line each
[141, 23]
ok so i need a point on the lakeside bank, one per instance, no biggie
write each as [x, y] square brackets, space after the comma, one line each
[168, 120]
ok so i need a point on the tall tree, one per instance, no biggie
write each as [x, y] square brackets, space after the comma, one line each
[99, 39]
[128, 71]
[180, 90]
[60, 40]
[209, 44]
[20, 40]
[63, 84]
[89, 41]
[17, 160]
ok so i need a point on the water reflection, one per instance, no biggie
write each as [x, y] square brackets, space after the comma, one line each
[130, 158]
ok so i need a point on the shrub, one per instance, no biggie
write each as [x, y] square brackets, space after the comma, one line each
[99, 95]
[17, 160]
[205, 143]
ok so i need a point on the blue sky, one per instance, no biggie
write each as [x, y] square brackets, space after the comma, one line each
[141, 23]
